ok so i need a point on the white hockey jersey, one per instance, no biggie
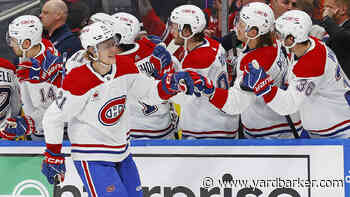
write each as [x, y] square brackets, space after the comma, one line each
[37, 97]
[95, 107]
[199, 118]
[10, 101]
[319, 90]
[258, 119]
[148, 121]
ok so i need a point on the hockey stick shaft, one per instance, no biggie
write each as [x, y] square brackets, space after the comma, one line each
[292, 127]
[56, 186]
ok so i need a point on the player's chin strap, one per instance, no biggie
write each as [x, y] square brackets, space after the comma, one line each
[185, 43]
[249, 38]
[103, 64]
[24, 51]
[92, 55]
[97, 59]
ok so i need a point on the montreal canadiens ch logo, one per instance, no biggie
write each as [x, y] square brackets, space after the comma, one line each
[110, 112]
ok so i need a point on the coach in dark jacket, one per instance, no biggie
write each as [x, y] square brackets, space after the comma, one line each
[53, 16]
[336, 21]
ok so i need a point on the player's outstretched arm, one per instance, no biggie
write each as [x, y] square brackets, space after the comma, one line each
[283, 102]
[232, 101]
[173, 83]
[51, 69]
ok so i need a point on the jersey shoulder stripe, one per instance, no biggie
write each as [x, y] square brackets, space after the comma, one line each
[313, 63]
[80, 80]
[265, 56]
[202, 57]
[125, 66]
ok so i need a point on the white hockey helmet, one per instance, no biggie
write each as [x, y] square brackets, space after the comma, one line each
[99, 17]
[127, 26]
[102, 17]
[258, 15]
[191, 15]
[294, 23]
[26, 27]
[95, 33]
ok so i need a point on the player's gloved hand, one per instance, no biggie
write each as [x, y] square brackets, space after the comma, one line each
[173, 83]
[16, 127]
[28, 71]
[255, 78]
[53, 165]
[48, 70]
[155, 39]
[202, 85]
[161, 60]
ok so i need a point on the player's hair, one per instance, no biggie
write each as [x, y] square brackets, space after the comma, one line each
[88, 55]
[198, 37]
[265, 39]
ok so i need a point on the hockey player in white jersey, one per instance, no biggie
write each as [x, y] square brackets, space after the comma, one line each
[146, 121]
[317, 87]
[13, 124]
[25, 39]
[93, 98]
[198, 118]
[254, 28]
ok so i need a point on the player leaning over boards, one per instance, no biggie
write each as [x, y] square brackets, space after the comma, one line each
[317, 87]
[93, 98]
[199, 118]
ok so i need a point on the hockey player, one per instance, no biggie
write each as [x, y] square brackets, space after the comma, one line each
[147, 121]
[199, 118]
[13, 125]
[254, 28]
[25, 38]
[93, 99]
[318, 88]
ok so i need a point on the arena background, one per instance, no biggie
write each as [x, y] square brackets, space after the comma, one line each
[10, 9]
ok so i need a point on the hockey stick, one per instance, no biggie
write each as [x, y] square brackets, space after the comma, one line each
[292, 127]
[64, 61]
[240, 128]
[56, 186]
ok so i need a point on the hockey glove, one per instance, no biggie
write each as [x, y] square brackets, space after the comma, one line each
[16, 127]
[173, 83]
[256, 79]
[28, 71]
[155, 39]
[53, 165]
[161, 60]
[202, 85]
[49, 69]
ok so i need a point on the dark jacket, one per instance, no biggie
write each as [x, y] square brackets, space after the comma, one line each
[339, 41]
[65, 41]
